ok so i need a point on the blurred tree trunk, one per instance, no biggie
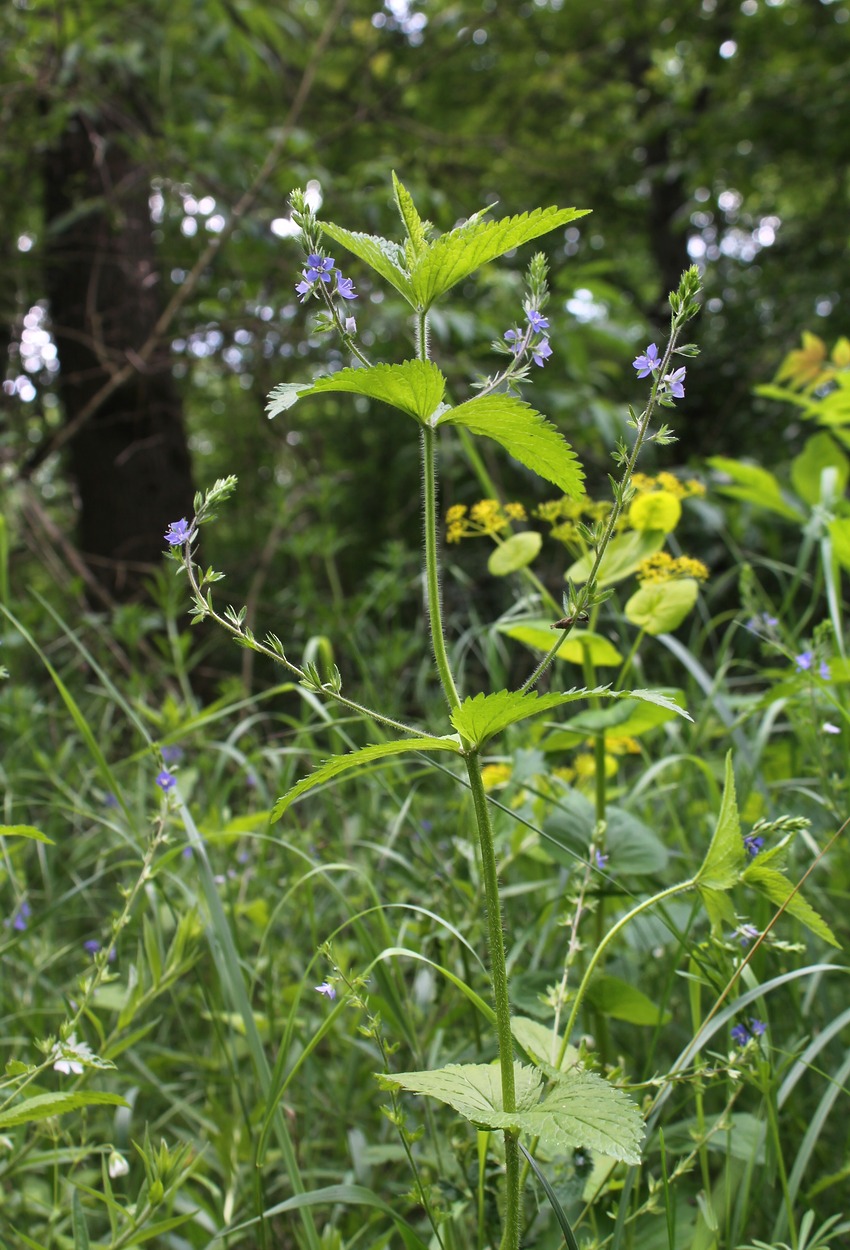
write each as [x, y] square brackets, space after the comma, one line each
[130, 461]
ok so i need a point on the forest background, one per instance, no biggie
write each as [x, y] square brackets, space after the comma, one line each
[148, 307]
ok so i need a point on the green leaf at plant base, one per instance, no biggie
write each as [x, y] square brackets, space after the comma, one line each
[623, 1001]
[386, 258]
[819, 452]
[25, 831]
[525, 434]
[659, 607]
[538, 635]
[415, 387]
[454, 256]
[776, 886]
[357, 759]
[42, 1106]
[581, 1110]
[624, 554]
[515, 553]
[726, 856]
[755, 485]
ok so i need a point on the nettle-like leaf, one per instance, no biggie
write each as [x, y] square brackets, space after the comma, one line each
[415, 387]
[479, 718]
[776, 886]
[581, 1110]
[25, 831]
[358, 759]
[525, 434]
[454, 256]
[542, 1045]
[43, 1106]
[417, 229]
[658, 607]
[726, 855]
[382, 255]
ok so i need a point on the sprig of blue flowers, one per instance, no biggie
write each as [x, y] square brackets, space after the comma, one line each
[650, 362]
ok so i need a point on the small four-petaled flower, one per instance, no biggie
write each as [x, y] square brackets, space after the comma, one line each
[648, 362]
[327, 989]
[753, 844]
[746, 933]
[321, 269]
[178, 532]
[675, 382]
[541, 352]
[741, 1034]
[165, 780]
[536, 320]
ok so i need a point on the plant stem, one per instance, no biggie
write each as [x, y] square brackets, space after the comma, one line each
[501, 1002]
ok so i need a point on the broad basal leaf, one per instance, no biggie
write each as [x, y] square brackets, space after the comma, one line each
[778, 889]
[25, 831]
[456, 255]
[622, 556]
[525, 434]
[386, 258]
[487, 714]
[539, 636]
[473, 1089]
[357, 759]
[726, 856]
[515, 553]
[754, 485]
[623, 1001]
[658, 607]
[415, 387]
[45, 1105]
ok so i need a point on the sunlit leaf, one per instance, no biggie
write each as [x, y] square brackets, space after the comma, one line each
[726, 855]
[385, 257]
[25, 831]
[658, 607]
[481, 717]
[538, 635]
[752, 484]
[515, 553]
[415, 387]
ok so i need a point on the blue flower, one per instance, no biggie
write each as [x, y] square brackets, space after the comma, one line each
[172, 754]
[166, 780]
[541, 352]
[746, 933]
[757, 1026]
[763, 621]
[536, 320]
[303, 288]
[327, 989]
[675, 382]
[345, 287]
[92, 946]
[319, 267]
[648, 362]
[823, 671]
[515, 338]
[178, 532]
[804, 661]
[20, 917]
[740, 1034]
[753, 844]
[601, 860]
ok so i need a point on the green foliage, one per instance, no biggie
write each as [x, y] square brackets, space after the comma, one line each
[415, 387]
[659, 607]
[515, 553]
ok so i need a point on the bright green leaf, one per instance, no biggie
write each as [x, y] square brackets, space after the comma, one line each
[726, 855]
[623, 1001]
[385, 257]
[659, 607]
[538, 635]
[479, 718]
[413, 223]
[525, 434]
[779, 890]
[454, 256]
[585, 1110]
[819, 452]
[719, 907]
[357, 759]
[839, 533]
[542, 1045]
[415, 387]
[515, 553]
[755, 485]
[472, 1089]
[622, 556]
[25, 831]
[42, 1106]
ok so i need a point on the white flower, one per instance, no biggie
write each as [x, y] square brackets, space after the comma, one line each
[829, 728]
[117, 1165]
[71, 1056]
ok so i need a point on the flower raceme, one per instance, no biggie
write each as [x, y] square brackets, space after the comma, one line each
[650, 362]
[321, 269]
[522, 341]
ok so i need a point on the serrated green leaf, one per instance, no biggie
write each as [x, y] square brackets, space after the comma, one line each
[413, 223]
[385, 257]
[339, 764]
[726, 855]
[472, 1089]
[515, 553]
[776, 886]
[585, 1110]
[25, 831]
[415, 387]
[539, 637]
[753, 484]
[45, 1105]
[659, 607]
[542, 1045]
[454, 256]
[525, 434]
[623, 1001]
[481, 717]
[718, 906]
[622, 556]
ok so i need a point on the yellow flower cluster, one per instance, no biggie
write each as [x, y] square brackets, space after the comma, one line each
[495, 775]
[643, 483]
[662, 567]
[562, 515]
[487, 517]
[807, 367]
